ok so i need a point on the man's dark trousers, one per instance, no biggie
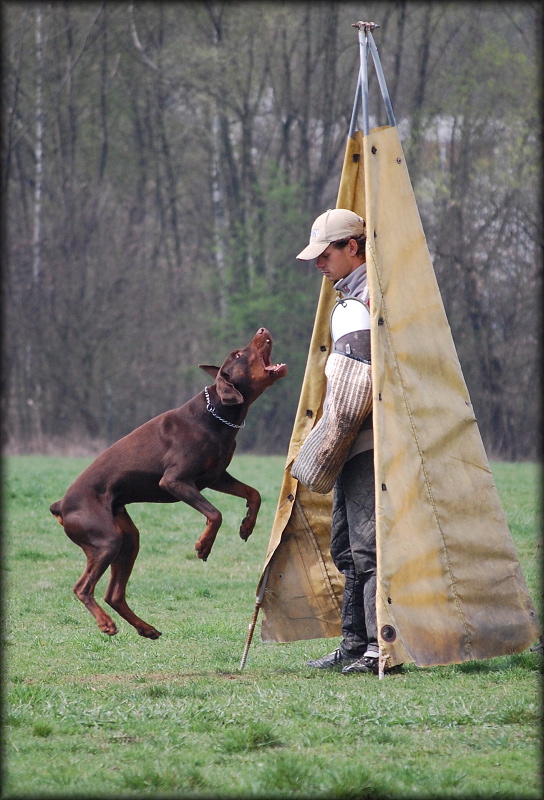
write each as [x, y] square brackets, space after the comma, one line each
[353, 550]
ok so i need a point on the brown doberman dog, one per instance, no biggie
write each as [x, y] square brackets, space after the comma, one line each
[170, 458]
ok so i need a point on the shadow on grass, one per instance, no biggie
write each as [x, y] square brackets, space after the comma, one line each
[531, 662]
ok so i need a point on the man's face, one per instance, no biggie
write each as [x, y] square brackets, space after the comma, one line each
[336, 264]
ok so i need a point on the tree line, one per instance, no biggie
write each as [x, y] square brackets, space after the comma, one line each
[161, 166]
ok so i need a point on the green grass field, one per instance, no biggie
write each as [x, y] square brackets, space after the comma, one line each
[86, 715]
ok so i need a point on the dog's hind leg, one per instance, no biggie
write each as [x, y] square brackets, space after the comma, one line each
[100, 544]
[121, 567]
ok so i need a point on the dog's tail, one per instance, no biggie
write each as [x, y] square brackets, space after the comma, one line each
[55, 509]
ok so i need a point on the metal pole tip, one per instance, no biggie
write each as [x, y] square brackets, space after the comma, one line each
[365, 26]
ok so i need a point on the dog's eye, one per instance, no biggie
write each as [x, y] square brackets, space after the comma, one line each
[237, 355]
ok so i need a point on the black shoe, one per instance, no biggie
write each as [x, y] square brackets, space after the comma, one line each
[334, 659]
[370, 664]
[364, 664]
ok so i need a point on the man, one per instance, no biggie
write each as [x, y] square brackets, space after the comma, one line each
[337, 243]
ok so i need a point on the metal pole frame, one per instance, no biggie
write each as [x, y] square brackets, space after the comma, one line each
[381, 80]
[361, 94]
[366, 41]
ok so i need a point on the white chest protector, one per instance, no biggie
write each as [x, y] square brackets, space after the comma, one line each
[348, 315]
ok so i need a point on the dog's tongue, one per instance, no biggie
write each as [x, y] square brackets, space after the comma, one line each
[277, 369]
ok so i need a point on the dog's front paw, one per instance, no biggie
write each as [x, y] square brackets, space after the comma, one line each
[247, 526]
[203, 550]
[245, 532]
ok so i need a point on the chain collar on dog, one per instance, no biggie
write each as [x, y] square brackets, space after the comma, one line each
[213, 412]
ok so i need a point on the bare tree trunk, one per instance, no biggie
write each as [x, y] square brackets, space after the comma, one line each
[103, 97]
[219, 220]
[304, 172]
[38, 177]
[401, 27]
[32, 367]
[414, 150]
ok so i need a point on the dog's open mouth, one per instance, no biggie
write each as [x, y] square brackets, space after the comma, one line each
[278, 370]
[275, 370]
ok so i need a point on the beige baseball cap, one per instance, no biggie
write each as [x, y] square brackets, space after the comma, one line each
[332, 226]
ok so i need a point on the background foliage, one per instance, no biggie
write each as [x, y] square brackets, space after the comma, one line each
[162, 163]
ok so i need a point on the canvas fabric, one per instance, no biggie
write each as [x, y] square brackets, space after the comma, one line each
[449, 583]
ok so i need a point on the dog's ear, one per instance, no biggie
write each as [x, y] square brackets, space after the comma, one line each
[209, 369]
[228, 393]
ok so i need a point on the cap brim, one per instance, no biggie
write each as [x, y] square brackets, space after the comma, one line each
[313, 250]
